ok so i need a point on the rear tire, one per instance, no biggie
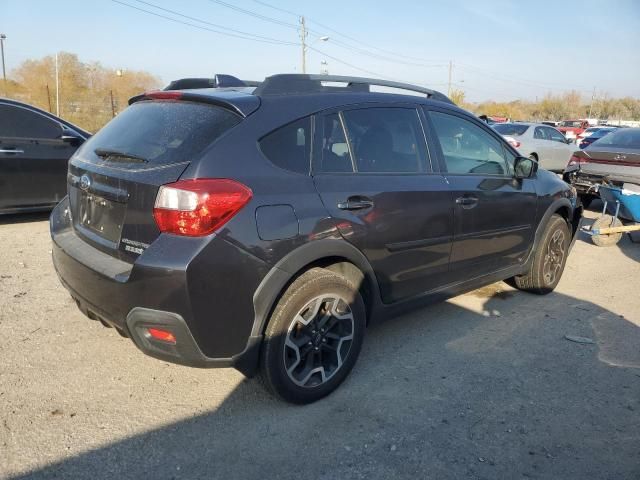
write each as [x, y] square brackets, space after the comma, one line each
[548, 261]
[313, 337]
[605, 221]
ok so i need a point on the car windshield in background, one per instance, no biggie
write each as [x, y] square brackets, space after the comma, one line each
[623, 138]
[161, 132]
[571, 124]
[510, 128]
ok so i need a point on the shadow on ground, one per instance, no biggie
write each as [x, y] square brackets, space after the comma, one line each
[489, 390]
[14, 218]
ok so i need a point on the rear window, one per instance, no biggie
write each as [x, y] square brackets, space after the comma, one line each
[162, 132]
[623, 138]
[510, 129]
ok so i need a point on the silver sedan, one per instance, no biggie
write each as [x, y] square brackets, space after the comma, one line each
[541, 142]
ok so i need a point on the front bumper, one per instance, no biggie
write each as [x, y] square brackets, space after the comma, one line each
[200, 289]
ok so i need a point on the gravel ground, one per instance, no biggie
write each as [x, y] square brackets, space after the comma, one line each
[485, 385]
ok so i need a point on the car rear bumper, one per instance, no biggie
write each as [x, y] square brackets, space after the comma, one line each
[193, 288]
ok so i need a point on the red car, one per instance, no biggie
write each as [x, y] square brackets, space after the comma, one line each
[573, 128]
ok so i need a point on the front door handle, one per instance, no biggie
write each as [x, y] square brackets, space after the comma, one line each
[356, 203]
[10, 150]
[467, 201]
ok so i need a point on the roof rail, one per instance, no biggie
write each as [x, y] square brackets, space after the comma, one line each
[218, 81]
[292, 83]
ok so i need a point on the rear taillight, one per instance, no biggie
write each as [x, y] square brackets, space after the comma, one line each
[513, 142]
[576, 160]
[198, 207]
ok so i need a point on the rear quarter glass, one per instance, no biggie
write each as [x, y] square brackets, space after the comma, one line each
[161, 132]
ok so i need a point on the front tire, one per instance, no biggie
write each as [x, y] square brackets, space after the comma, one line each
[548, 261]
[314, 337]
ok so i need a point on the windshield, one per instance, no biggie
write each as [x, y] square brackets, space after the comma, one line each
[623, 138]
[161, 132]
[510, 129]
[571, 123]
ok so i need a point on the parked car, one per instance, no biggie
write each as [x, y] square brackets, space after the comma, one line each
[572, 128]
[540, 142]
[266, 228]
[35, 147]
[594, 134]
[612, 159]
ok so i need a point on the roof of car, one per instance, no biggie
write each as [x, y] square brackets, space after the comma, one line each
[17, 103]
[317, 90]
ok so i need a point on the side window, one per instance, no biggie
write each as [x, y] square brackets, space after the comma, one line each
[335, 156]
[386, 140]
[540, 134]
[467, 148]
[289, 147]
[555, 135]
[18, 122]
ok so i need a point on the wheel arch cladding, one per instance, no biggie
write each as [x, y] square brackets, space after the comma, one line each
[336, 255]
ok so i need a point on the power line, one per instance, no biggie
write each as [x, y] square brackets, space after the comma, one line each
[240, 32]
[200, 27]
[344, 35]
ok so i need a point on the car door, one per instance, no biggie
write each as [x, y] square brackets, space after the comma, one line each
[494, 212]
[561, 150]
[373, 172]
[33, 158]
[544, 147]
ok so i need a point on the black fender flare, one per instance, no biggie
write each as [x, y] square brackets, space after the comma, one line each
[287, 268]
[553, 208]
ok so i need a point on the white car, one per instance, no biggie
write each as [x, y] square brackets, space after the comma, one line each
[541, 142]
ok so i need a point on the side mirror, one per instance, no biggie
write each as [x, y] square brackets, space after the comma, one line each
[568, 141]
[71, 137]
[524, 167]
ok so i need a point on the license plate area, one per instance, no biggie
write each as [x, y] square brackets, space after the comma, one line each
[101, 216]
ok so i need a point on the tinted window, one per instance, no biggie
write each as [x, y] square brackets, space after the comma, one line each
[622, 138]
[555, 135]
[467, 148]
[386, 140]
[19, 122]
[335, 150]
[163, 132]
[510, 128]
[289, 147]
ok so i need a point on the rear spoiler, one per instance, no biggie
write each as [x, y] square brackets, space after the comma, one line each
[236, 102]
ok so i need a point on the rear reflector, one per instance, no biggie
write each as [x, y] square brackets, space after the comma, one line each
[195, 208]
[162, 335]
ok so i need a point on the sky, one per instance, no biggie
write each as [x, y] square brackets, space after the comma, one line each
[500, 50]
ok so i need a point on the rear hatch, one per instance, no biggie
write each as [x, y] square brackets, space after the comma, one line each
[114, 177]
[616, 156]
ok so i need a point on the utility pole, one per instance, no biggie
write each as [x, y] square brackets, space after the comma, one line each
[450, 72]
[2, 39]
[57, 88]
[593, 96]
[49, 98]
[303, 40]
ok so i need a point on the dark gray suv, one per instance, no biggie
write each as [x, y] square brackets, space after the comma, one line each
[264, 229]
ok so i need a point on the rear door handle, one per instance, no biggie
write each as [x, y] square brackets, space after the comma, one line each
[10, 150]
[356, 203]
[467, 202]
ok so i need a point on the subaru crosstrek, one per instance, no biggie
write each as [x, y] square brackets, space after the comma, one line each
[264, 229]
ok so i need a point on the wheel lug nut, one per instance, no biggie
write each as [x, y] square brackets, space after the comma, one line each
[324, 340]
[316, 348]
[310, 343]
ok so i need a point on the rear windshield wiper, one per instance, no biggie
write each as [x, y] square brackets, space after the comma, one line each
[110, 153]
